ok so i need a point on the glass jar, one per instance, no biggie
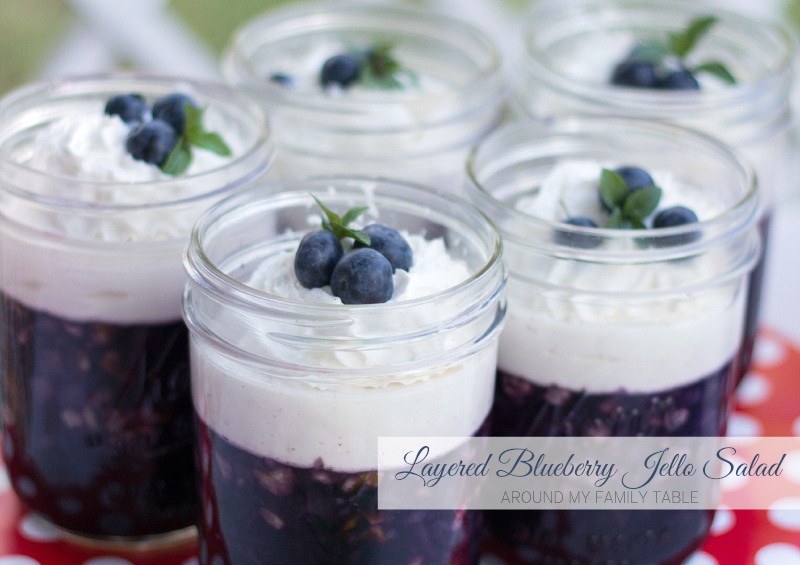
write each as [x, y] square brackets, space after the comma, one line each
[571, 48]
[96, 405]
[615, 332]
[421, 133]
[291, 396]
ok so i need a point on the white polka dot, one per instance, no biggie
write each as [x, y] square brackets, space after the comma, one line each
[733, 481]
[791, 466]
[701, 558]
[191, 561]
[776, 554]
[18, 560]
[724, 521]
[754, 390]
[785, 514]
[768, 353]
[5, 482]
[742, 425]
[106, 561]
[36, 529]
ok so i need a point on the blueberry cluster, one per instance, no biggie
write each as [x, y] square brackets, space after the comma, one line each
[645, 74]
[151, 140]
[630, 196]
[662, 64]
[360, 276]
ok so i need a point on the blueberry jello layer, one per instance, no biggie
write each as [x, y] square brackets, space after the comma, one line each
[97, 408]
[606, 363]
[289, 464]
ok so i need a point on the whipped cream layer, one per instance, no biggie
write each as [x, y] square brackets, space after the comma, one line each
[332, 416]
[120, 266]
[609, 342]
[89, 145]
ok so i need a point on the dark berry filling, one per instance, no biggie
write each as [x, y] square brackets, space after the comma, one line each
[586, 537]
[257, 510]
[98, 422]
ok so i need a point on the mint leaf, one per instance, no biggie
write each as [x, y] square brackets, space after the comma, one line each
[613, 189]
[650, 51]
[211, 141]
[718, 70]
[178, 160]
[338, 226]
[641, 203]
[333, 217]
[682, 43]
[614, 221]
[380, 69]
[194, 134]
[352, 214]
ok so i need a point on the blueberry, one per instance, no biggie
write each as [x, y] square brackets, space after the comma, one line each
[672, 217]
[571, 239]
[635, 178]
[389, 243]
[363, 276]
[637, 74]
[316, 257]
[282, 79]
[343, 70]
[152, 141]
[682, 79]
[172, 109]
[131, 108]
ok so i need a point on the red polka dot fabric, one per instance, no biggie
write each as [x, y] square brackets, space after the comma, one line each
[767, 404]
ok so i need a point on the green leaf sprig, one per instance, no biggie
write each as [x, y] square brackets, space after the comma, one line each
[680, 45]
[194, 135]
[380, 69]
[338, 226]
[628, 209]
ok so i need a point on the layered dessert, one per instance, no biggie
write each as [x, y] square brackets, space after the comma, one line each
[717, 72]
[97, 416]
[612, 329]
[375, 90]
[289, 461]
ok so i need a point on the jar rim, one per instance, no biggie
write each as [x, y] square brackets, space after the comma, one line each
[253, 161]
[203, 270]
[655, 103]
[738, 218]
[488, 81]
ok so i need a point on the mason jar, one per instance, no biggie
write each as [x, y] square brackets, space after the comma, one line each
[571, 49]
[614, 332]
[292, 392]
[452, 91]
[96, 405]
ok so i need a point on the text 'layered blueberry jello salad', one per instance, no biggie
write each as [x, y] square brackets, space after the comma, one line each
[368, 342]
[100, 189]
